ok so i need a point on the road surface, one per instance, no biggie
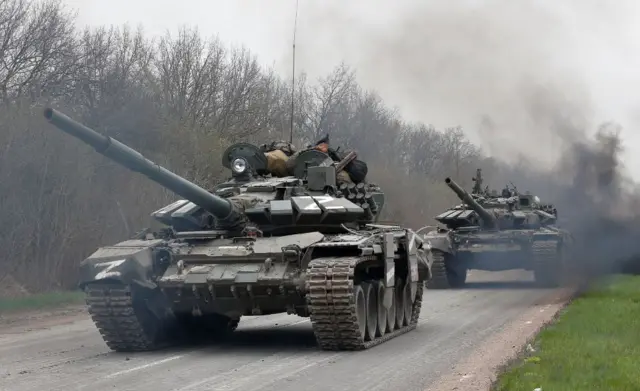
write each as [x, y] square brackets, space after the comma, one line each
[273, 352]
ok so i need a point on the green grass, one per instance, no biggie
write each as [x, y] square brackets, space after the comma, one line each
[594, 345]
[41, 301]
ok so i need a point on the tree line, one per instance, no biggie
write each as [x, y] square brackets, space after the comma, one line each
[180, 100]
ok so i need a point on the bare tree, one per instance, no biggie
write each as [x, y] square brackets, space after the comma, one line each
[180, 100]
[423, 149]
[323, 102]
[459, 154]
[190, 75]
[36, 48]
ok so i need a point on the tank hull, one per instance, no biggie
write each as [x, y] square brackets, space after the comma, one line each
[240, 277]
[163, 286]
[542, 251]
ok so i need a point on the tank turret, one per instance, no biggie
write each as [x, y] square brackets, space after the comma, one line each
[227, 214]
[465, 197]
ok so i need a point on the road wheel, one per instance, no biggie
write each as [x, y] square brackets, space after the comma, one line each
[408, 303]
[361, 309]
[399, 296]
[382, 312]
[371, 296]
[391, 311]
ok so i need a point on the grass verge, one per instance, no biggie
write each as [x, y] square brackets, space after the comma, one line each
[593, 345]
[41, 301]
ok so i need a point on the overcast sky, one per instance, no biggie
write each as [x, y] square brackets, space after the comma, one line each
[520, 64]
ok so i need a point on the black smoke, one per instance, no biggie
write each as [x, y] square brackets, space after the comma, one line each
[534, 83]
[596, 199]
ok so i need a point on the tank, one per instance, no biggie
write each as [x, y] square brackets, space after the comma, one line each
[256, 244]
[496, 232]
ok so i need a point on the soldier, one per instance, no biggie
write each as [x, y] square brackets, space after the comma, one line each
[506, 193]
[354, 172]
[322, 145]
[277, 154]
[281, 158]
[477, 186]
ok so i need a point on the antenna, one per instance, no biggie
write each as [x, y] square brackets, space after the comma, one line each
[293, 78]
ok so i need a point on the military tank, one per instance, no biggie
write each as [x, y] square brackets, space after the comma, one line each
[254, 245]
[496, 232]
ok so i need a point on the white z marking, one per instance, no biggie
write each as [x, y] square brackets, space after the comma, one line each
[106, 272]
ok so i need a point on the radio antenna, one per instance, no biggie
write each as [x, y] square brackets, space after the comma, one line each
[293, 77]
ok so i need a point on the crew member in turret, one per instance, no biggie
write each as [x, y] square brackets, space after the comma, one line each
[354, 172]
[323, 146]
[281, 159]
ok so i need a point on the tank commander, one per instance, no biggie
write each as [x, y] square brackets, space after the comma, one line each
[354, 172]
[322, 145]
[507, 193]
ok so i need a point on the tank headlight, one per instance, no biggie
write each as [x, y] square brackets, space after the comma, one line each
[239, 166]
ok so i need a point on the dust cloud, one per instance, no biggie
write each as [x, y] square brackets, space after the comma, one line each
[532, 82]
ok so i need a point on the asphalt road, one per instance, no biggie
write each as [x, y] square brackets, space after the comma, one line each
[274, 352]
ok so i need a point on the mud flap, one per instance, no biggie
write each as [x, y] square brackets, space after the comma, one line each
[389, 268]
[128, 262]
[412, 257]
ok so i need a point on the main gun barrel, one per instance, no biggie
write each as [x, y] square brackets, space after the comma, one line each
[223, 209]
[473, 204]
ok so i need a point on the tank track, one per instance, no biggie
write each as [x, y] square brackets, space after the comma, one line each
[332, 307]
[547, 262]
[439, 279]
[112, 310]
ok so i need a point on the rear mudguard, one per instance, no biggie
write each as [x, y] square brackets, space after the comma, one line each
[419, 256]
[128, 262]
[418, 262]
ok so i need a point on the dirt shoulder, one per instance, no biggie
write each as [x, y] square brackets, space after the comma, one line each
[480, 369]
[25, 311]
[30, 320]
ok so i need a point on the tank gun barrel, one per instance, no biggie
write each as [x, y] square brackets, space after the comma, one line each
[467, 199]
[222, 209]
